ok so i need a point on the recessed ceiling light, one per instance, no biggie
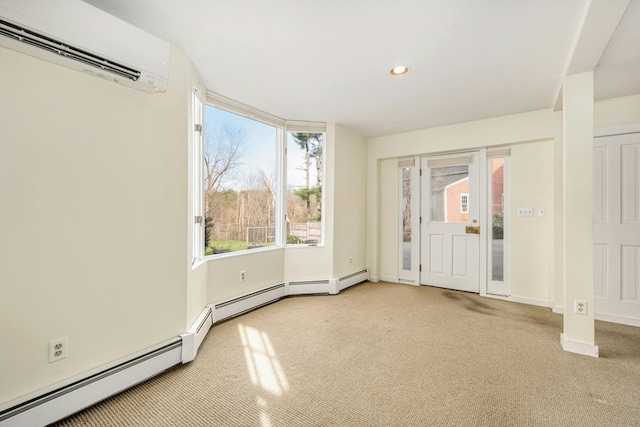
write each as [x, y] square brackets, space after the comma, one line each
[400, 70]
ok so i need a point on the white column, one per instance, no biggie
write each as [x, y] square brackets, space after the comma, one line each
[579, 329]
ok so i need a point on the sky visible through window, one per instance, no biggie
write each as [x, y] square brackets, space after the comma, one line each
[256, 149]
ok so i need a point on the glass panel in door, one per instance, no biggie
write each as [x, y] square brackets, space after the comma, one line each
[450, 194]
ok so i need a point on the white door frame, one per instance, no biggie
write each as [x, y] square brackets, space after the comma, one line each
[411, 276]
[494, 288]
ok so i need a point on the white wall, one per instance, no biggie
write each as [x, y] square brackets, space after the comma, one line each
[197, 290]
[350, 202]
[532, 238]
[617, 112]
[93, 179]
[577, 128]
[262, 267]
[389, 219]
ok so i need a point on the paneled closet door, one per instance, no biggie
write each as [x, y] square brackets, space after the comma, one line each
[616, 196]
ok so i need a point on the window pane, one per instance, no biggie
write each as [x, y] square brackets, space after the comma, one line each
[448, 183]
[497, 212]
[240, 188]
[406, 218]
[304, 187]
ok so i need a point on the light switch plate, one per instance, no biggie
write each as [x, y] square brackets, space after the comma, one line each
[525, 212]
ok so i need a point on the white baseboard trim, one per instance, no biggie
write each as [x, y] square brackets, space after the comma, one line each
[248, 302]
[531, 301]
[389, 279]
[64, 401]
[578, 347]
[192, 339]
[521, 300]
[613, 318]
[308, 287]
[344, 282]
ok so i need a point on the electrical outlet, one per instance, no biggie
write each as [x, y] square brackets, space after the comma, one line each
[541, 212]
[350, 260]
[57, 349]
[580, 307]
[243, 275]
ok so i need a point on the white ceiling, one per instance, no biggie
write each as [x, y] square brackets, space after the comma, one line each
[329, 60]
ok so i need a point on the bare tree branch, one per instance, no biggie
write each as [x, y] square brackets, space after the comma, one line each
[221, 155]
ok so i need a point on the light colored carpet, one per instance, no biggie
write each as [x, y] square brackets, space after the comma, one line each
[380, 354]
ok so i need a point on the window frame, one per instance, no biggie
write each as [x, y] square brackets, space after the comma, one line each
[282, 127]
[251, 114]
[307, 127]
[197, 196]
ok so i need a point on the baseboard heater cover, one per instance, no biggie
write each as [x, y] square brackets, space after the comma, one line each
[192, 339]
[245, 303]
[309, 287]
[349, 280]
[60, 403]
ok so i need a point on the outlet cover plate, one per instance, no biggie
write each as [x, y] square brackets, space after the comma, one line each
[580, 307]
[57, 349]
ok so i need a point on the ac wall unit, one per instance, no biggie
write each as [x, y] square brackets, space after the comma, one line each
[80, 36]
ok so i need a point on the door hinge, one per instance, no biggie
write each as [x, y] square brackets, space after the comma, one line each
[420, 171]
[197, 219]
[420, 268]
[197, 127]
[420, 220]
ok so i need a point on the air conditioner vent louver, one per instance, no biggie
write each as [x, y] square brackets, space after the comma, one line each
[59, 48]
[79, 36]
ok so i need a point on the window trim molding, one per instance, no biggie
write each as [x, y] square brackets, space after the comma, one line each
[235, 107]
[197, 197]
[310, 129]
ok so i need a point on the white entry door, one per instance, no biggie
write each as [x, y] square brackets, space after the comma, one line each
[617, 228]
[450, 241]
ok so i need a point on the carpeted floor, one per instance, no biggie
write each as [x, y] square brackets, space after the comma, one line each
[380, 354]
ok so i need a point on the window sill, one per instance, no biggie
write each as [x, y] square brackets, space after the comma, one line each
[302, 246]
[241, 253]
[197, 264]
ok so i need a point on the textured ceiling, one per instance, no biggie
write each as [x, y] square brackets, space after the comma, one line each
[329, 60]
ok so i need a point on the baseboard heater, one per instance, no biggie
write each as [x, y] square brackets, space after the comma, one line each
[327, 287]
[308, 287]
[192, 339]
[64, 401]
[349, 280]
[245, 303]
